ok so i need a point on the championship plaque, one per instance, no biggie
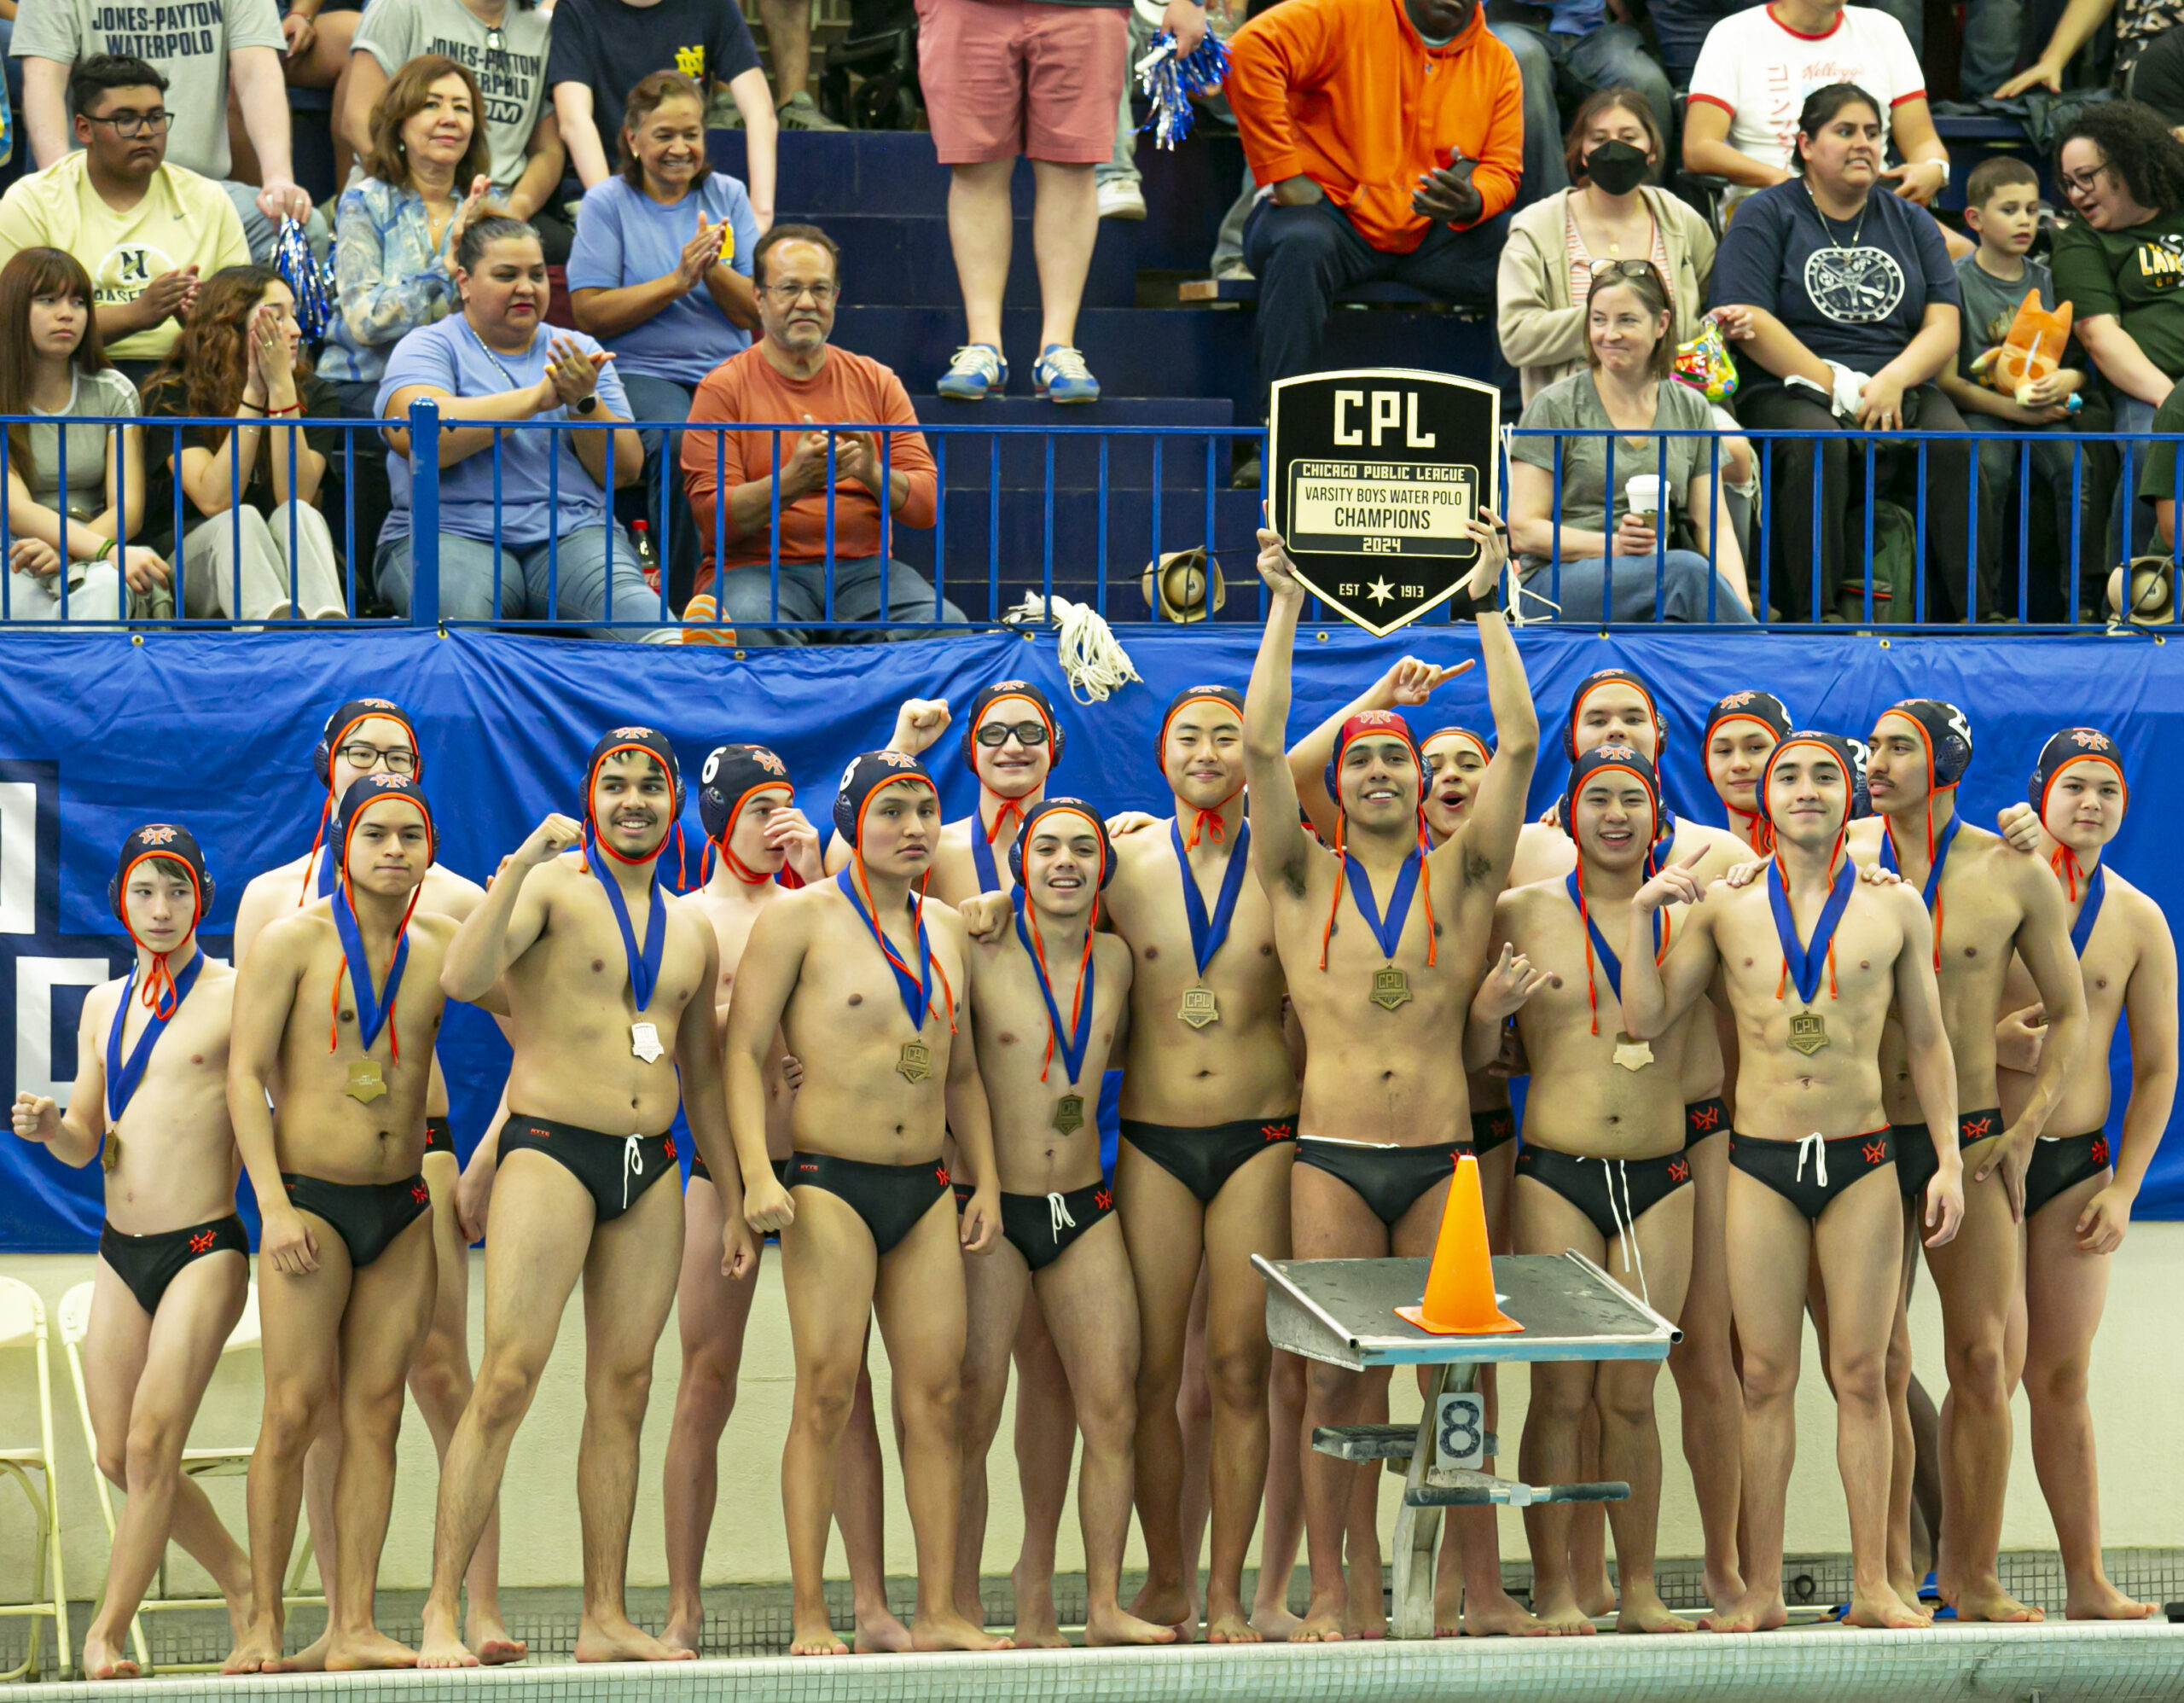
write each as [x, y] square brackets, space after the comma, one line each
[1372, 479]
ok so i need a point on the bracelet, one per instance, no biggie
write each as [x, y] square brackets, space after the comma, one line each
[276, 413]
[239, 406]
[104, 550]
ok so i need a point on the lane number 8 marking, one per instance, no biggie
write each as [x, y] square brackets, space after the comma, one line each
[1459, 1429]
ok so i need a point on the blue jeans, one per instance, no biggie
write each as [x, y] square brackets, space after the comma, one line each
[1545, 170]
[747, 600]
[1611, 56]
[656, 398]
[1684, 581]
[469, 567]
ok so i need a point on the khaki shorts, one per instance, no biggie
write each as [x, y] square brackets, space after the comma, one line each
[1007, 77]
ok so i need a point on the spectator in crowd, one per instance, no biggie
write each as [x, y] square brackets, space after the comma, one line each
[1007, 77]
[602, 47]
[320, 38]
[1121, 188]
[1615, 211]
[493, 362]
[1681, 27]
[1576, 46]
[148, 230]
[424, 163]
[2001, 205]
[2157, 77]
[1757, 68]
[662, 274]
[1386, 141]
[2119, 263]
[237, 42]
[793, 373]
[91, 476]
[240, 355]
[2139, 25]
[788, 36]
[1853, 315]
[503, 44]
[1606, 539]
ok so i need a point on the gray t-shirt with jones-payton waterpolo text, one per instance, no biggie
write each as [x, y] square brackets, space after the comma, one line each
[508, 60]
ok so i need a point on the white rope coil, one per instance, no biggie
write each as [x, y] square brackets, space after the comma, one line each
[1092, 658]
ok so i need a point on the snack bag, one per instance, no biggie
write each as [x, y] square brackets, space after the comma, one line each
[1703, 363]
[2032, 350]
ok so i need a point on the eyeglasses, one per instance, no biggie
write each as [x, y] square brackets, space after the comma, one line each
[399, 761]
[995, 734]
[133, 125]
[2084, 183]
[789, 294]
[1624, 269]
[495, 41]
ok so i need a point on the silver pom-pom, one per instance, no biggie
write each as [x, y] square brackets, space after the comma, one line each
[307, 281]
[1168, 82]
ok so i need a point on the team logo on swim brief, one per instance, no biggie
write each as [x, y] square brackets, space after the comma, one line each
[157, 836]
[1854, 286]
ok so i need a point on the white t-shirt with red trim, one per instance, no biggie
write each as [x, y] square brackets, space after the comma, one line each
[1758, 70]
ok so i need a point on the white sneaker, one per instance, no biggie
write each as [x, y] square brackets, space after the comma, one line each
[1121, 198]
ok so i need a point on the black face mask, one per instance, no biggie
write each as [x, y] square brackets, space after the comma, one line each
[1616, 167]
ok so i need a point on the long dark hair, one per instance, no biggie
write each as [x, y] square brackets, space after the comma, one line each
[206, 370]
[2135, 141]
[1620, 99]
[1820, 108]
[29, 274]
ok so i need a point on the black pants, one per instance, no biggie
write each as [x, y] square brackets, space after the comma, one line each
[1304, 257]
[1951, 469]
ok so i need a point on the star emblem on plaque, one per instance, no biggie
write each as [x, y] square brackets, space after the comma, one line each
[1372, 477]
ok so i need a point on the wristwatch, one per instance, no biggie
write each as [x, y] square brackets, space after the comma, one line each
[589, 406]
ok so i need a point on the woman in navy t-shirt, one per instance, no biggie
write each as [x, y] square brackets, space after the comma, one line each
[1855, 315]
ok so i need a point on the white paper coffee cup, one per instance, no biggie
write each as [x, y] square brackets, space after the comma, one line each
[1643, 494]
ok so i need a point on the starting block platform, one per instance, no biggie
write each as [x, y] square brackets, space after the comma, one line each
[1343, 1312]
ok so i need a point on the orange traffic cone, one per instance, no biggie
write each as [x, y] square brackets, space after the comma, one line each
[1460, 1284]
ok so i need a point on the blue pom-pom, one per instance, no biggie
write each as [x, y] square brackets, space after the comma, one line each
[301, 271]
[1170, 82]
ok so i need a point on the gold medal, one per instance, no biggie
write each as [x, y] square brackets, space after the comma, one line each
[644, 1042]
[916, 1061]
[365, 1083]
[1632, 1055]
[1199, 1007]
[1808, 1032]
[1069, 1114]
[1390, 988]
[110, 1154]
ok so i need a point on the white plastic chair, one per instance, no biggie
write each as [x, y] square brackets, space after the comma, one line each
[210, 1461]
[22, 1326]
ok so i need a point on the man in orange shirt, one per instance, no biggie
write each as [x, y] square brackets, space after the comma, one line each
[1387, 139]
[793, 374]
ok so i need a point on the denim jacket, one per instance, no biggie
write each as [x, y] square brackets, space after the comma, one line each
[389, 279]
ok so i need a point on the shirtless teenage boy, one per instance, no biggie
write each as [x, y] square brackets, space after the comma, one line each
[762, 844]
[1041, 1053]
[857, 973]
[1986, 902]
[1603, 1168]
[363, 736]
[2077, 1193]
[151, 1087]
[1383, 944]
[336, 1012]
[1812, 959]
[602, 1027]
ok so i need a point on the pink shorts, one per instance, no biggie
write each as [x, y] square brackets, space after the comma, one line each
[1007, 77]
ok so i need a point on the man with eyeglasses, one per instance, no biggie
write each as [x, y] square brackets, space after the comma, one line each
[146, 231]
[374, 736]
[825, 485]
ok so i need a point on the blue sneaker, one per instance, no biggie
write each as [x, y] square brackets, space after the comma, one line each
[976, 372]
[1062, 376]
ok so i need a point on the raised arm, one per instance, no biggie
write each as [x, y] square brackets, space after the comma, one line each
[1933, 1066]
[773, 959]
[1655, 995]
[513, 916]
[1404, 686]
[1280, 850]
[1488, 841]
[265, 993]
[73, 1136]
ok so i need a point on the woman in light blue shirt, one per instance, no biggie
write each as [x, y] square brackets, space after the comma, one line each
[662, 274]
[396, 231]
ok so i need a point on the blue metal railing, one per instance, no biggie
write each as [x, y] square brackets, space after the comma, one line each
[1104, 491]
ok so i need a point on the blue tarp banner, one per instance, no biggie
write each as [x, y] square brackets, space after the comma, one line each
[100, 734]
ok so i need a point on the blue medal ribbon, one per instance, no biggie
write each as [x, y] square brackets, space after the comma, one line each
[1805, 963]
[2096, 888]
[1388, 932]
[329, 877]
[1071, 1046]
[122, 1075]
[915, 999]
[1942, 843]
[982, 860]
[1209, 934]
[372, 1011]
[1606, 954]
[644, 966]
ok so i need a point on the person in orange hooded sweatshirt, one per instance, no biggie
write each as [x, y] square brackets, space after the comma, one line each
[1387, 139]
